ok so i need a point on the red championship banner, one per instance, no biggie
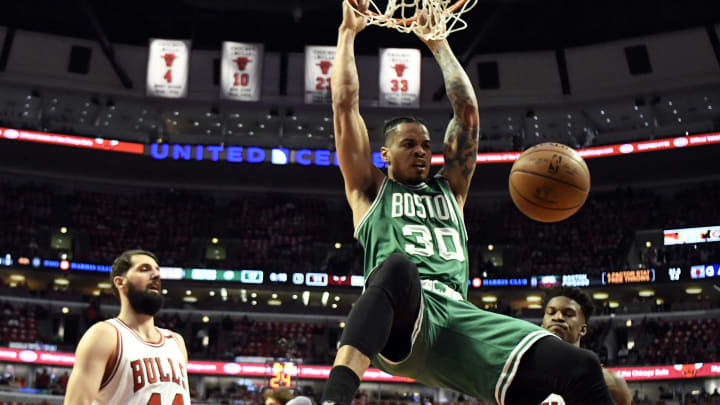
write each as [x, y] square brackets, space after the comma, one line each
[168, 66]
[318, 65]
[400, 77]
[241, 71]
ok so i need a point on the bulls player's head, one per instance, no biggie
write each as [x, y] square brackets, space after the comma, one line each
[567, 311]
[135, 278]
[407, 150]
[277, 396]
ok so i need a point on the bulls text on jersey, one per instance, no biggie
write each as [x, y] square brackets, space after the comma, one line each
[153, 370]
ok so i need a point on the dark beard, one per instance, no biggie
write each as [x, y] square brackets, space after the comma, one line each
[144, 301]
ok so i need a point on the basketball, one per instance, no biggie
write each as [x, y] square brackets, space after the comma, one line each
[549, 182]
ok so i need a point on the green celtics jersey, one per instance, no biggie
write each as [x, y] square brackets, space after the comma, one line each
[421, 221]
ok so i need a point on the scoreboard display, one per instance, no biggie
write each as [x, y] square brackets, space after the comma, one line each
[283, 374]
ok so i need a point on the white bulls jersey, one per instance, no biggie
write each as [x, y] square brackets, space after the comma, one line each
[145, 373]
[554, 399]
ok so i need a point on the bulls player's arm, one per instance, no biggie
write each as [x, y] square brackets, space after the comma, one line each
[618, 387]
[92, 356]
[362, 178]
[181, 343]
[460, 146]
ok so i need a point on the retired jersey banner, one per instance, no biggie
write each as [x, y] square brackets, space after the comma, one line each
[400, 77]
[241, 71]
[168, 66]
[318, 65]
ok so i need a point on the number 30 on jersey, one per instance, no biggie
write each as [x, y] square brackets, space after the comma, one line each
[423, 243]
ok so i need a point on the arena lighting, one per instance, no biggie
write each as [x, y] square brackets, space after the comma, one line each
[17, 277]
[62, 281]
[489, 299]
[491, 247]
[274, 295]
[334, 306]
[534, 298]
[253, 295]
[613, 304]
[96, 293]
[206, 319]
[214, 241]
[253, 303]
[190, 299]
[324, 298]
[306, 297]
[341, 324]
[104, 285]
[693, 290]
[648, 244]
[294, 296]
[65, 310]
[600, 295]
[337, 298]
[223, 292]
[63, 229]
[212, 293]
[534, 306]
[646, 293]
[188, 292]
[659, 301]
[164, 291]
[243, 295]
[274, 303]
[338, 245]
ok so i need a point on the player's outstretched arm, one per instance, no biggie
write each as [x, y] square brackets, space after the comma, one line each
[618, 387]
[91, 358]
[351, 136]
[461, 137]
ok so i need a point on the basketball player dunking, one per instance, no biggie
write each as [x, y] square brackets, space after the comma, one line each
[127, 360]
[567, 311]
[413, 318]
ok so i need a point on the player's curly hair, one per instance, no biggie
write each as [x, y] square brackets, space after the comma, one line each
[576, 294]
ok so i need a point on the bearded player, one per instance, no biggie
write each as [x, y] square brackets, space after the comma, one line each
[413, 318]
[567, 311]
[127, 360]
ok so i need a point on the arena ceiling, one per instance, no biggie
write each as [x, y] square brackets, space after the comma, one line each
[289, 25]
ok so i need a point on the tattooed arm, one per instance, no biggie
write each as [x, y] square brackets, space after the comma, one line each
[461, 137]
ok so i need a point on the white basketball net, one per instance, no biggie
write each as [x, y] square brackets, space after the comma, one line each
[441, 22]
